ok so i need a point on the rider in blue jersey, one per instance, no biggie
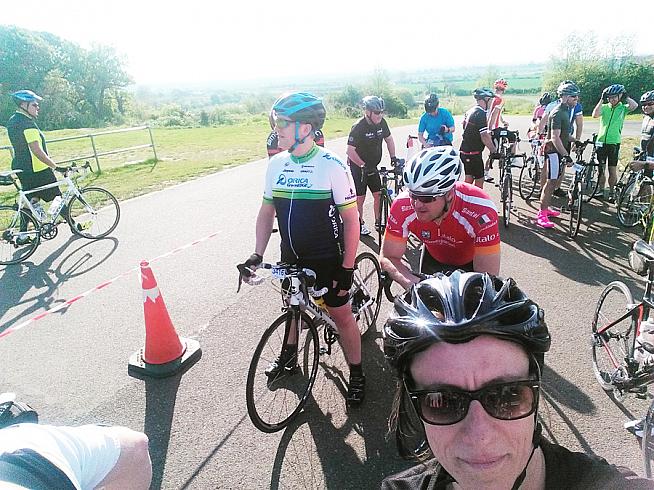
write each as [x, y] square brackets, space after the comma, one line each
[437, 122]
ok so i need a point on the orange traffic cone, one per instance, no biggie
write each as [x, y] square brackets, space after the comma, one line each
[165, 353]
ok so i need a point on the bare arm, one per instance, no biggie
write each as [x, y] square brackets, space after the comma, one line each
[487, 263]
[41, 155]
[579, 124]
[265, 220]
[631, 104]
[390, 144]
[597, 110]
[351, 229]
[391, 261]
[422, 140]
[352, 154]
[488, 141]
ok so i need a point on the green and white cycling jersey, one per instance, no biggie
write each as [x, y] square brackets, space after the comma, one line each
[308, 192]
[611, 121]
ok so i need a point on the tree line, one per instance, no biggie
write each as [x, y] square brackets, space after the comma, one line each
[82, 87]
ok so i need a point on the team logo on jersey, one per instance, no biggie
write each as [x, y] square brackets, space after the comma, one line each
[425, 235]
[487, 239]
[293, 181]
[484, 219]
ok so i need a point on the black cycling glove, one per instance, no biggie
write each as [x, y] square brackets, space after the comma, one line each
[566, 159]
[253, 260]
[443, 129]
[61, 170]
[344, 278]
[495, 156]
[393, 160]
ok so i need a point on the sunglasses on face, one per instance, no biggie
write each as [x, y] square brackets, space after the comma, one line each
[377, 113]
[283, 123]
[423, 199]
[504, 401]
[647, 104]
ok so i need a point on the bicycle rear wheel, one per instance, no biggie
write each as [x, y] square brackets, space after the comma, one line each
[576, 207]
[16, 246]
[529, 177]
[647, 443]
[589, 182]
[634, 202]
[274, 400]
[611, 332]
[366, 291]
[94, 213]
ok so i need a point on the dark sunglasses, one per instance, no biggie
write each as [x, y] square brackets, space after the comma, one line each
[504, 401]
[377, 113]
[423, 199]
[647, 104]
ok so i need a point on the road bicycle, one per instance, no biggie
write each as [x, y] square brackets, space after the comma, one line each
[91, 212]
[647, 442]
[583, 186]
[529, 180]
[386, 196]
[591, 174]
[275, 397]
[635, 204]
[619, 354]
[506, 177]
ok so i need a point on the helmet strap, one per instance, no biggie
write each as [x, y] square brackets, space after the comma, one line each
[298, 140]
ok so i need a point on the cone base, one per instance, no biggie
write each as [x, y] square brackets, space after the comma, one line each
[138, 368]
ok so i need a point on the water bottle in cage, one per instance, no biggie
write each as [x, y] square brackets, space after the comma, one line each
[55, 205]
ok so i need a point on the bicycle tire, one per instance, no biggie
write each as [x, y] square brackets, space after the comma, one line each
[633, 203]
[589, 182]
[369, 272]
[94, 213]
[576, 209]
[647, 444]
[10, 251]
[288, 391]
[528, 180]
[383, 217]
[507, 196]
[611, 346]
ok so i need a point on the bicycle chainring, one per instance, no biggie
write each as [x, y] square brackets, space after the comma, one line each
[49, 231]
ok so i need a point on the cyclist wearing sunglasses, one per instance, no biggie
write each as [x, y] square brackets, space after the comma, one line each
[646, 134]
[311, 191]
[364, 152]
[272, 142]
[476, 137]
[457, 222]
[468, 350]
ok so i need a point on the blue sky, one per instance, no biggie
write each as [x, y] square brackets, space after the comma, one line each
[172, 41]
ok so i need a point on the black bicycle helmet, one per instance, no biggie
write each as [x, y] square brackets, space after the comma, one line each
[615, 89]
[373, 103]
[545, 99]
[301, 107]
[25, 96]
[647, 97]
[483, 93]
[568, 87]
[431, 103]
[458, 308]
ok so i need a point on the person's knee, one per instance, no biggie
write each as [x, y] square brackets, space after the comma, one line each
[133, 470]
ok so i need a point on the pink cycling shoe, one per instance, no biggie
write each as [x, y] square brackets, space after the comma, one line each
[552, 213]
[543, 221]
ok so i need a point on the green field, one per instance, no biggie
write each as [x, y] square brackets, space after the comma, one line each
[184, 154]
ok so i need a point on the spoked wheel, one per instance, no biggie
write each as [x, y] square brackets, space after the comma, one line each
[634, 202]
[647, 444]
[589, 182]
[507, 197]
[366, 291]
[16, 245]
[575, 210]
[274, 399]
[612, 328]
[94, 213]
[529, 178]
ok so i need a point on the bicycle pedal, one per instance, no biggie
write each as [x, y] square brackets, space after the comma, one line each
[323, 351]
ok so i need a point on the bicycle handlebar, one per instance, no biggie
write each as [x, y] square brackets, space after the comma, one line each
[279, 271]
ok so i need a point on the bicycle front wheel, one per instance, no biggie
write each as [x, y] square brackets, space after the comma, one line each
[94, 213]
[384, 204]
[612, 328]
[507, 197]
[275, 397]
[575, 211]
[366, 291]
[529, 177]
[589, 182]
[17, 245]
[634, 203]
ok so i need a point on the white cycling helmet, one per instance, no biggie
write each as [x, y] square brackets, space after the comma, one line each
[433, 171]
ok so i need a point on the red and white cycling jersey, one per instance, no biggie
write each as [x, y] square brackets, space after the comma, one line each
[469, 229]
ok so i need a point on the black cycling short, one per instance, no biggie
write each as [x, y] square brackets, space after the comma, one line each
[473, 164]
[29, 181]
[429, 265]
[608, 152]
[326, 270]
[366, 177]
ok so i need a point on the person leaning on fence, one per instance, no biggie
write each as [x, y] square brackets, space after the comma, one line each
[469, 351]
[30, 151]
